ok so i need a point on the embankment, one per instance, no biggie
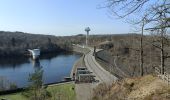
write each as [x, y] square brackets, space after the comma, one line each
[79, 62]
[148, 87]
[108, 62]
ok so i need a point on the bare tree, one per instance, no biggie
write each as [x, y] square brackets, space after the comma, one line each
[159, 16]
[123, 8]
[141, 48]
[157, 12]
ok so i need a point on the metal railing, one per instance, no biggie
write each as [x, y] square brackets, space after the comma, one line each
[165, 77]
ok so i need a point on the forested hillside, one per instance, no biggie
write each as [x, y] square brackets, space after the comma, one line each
[17, 43]
[125, 48]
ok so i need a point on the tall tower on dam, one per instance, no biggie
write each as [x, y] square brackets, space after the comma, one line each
[87, 29]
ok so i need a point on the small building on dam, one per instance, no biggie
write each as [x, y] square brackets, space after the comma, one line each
[35, 53]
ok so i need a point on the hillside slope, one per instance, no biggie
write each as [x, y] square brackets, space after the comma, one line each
[17, 43]
[126, 49]
[148, 87]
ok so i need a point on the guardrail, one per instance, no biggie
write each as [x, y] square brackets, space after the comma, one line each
[165, 77]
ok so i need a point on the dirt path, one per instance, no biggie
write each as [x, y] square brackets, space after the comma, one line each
[84, 91]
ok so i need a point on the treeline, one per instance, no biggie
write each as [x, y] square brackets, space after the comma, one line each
[125, 48]
[17, 43]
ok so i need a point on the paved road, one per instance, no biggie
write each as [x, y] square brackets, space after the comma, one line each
[101, 74]
[84, 91]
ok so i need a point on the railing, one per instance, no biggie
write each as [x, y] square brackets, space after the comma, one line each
[165, 77]
[157, 71]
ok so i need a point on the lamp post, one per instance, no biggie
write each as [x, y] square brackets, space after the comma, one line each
[87, 29]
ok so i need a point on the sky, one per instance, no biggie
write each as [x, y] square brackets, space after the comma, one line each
[59, 17]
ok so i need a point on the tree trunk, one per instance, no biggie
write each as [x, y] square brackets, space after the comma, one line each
[141, 51]
[162, 52]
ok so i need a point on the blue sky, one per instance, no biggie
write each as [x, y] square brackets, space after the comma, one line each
[58, 17]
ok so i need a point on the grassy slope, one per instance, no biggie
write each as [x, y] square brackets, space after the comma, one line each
[64, 91]
[148, 87]
[16, 96]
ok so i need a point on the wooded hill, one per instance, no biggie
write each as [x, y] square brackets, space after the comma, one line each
[127, 48]
[17, 43]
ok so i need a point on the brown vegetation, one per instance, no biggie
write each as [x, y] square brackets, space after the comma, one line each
[17, 43]
[142, 88]
[127, 48]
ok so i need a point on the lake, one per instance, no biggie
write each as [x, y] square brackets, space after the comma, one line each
[55, 67]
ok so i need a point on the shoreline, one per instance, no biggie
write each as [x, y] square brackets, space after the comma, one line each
[80, 61]
[77, 63]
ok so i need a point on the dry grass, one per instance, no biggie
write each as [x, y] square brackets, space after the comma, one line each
[127, 47]
[148, 87]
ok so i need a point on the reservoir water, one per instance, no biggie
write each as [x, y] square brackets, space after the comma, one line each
[18, 70]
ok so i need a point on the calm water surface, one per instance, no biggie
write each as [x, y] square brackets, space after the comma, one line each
[55, 67]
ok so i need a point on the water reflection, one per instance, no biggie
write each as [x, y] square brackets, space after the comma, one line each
[36, 64]
[12, 61]
[36, 78]
[54, 68]
[5, 84]
[16, 61]
[50, 56]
